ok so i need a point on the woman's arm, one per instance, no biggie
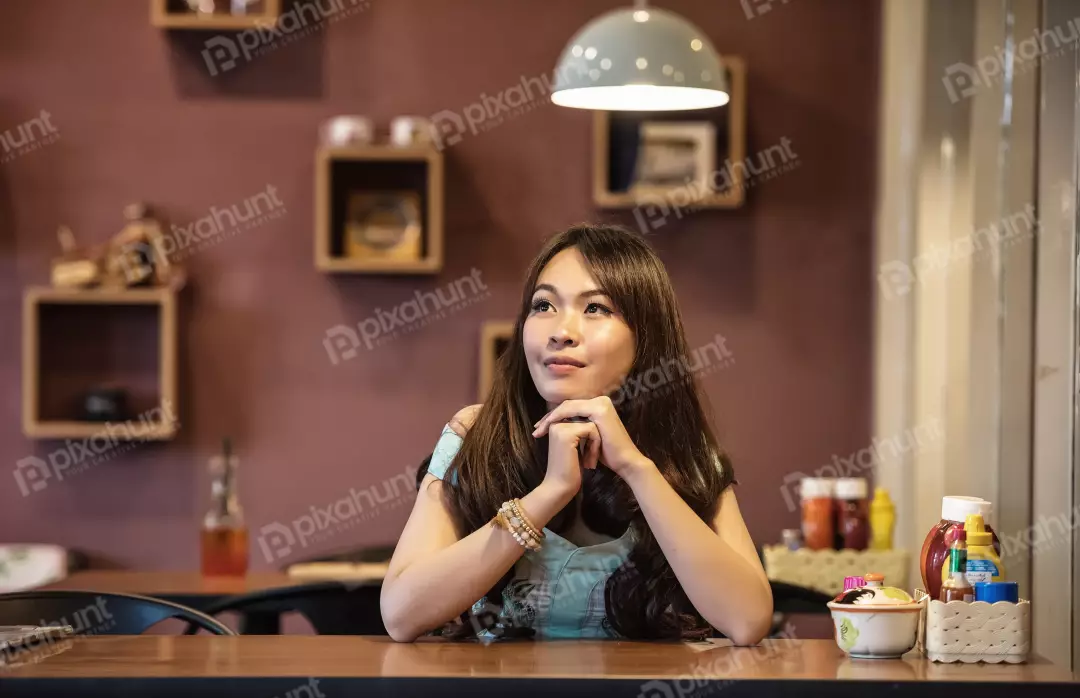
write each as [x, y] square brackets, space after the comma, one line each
[719, 570]
[434, 577]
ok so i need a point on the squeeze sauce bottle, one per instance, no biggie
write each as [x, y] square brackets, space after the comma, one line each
[882, 520]
[983, 562]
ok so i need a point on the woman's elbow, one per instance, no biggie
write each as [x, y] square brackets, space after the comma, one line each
[751, 631]
[397, 626]
[400, 634]
[751, 627]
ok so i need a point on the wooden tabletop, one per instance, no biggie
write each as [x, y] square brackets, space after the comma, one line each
[169, 584]
[274, 665]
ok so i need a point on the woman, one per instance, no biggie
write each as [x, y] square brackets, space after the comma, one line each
[619, 519]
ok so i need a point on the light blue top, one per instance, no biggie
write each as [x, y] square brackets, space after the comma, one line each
[558, 590]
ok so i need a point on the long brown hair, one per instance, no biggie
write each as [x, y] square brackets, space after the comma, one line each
[499, 459]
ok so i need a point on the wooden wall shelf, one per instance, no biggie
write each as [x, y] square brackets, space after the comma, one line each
[76, 340]
[341, 173]
[494, 338]
[732, 119]
[168, 14]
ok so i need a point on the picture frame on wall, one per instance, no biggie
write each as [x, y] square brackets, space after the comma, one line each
[384, 225]
[495, 337]
[674, 154]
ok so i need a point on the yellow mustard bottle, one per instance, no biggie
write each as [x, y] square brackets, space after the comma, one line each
[882, 520]
[983, 563]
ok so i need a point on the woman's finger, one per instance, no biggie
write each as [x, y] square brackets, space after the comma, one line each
[567, 410]
[594, 449]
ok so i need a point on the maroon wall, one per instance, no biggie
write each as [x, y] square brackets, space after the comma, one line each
[786, 279]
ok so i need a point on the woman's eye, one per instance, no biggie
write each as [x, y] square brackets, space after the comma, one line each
[597, 308]
[541, 306]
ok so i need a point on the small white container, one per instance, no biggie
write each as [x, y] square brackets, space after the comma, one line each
[346, 131]
[876, 621]
[408, 131]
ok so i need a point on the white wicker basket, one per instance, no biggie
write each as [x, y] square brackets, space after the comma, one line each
[824, 570]
[959, 631]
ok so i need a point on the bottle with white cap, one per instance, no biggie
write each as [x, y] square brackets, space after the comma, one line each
[853, 519]
[935, 550]
[817, 512]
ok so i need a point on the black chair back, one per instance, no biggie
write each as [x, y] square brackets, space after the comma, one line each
[789, 598]
[332, 608]
[99, 613]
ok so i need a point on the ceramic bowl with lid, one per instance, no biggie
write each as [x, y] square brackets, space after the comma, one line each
[875, 621]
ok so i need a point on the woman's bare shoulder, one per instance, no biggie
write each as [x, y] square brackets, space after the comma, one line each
[463, 420]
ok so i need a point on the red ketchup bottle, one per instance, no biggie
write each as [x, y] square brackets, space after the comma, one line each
[935, 549]
[852, 513]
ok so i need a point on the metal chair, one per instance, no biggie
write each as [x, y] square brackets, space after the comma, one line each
[100, 613]
[332, 608]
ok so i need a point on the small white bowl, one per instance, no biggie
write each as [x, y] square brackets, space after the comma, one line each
[875, 621]
[875, 632]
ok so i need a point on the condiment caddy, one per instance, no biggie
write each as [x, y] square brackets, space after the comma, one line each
[975, 615]
[976, 631]
[824, 570]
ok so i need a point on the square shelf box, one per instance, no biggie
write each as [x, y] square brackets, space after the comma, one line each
[348, 179]
[174, 14]
[494, 339]
[616, 141]
[75, 341]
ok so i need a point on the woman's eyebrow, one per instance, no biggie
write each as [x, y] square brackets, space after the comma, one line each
[583, 294]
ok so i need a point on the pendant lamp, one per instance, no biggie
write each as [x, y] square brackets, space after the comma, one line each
[640, 58]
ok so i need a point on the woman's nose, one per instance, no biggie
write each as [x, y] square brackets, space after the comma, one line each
[565, 335]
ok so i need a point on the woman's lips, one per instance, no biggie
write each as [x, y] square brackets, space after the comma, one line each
[562, 369]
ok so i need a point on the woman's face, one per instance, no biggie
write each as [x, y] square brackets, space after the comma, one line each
[577, 343]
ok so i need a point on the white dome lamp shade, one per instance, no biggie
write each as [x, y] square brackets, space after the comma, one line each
[640, 59]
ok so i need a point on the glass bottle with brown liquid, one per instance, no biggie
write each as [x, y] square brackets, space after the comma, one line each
[224, 543]
[956, 587]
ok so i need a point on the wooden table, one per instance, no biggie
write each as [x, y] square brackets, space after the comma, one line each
[332, 666]
[171, 585]
[194, 590]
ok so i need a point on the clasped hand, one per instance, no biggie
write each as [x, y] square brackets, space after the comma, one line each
[606, 437]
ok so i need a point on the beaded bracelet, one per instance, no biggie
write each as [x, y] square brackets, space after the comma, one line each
[520, 535]
[512, 521]
[515, 525]
[519, 511]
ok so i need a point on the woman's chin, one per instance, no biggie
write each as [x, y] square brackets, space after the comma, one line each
[561, 393]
